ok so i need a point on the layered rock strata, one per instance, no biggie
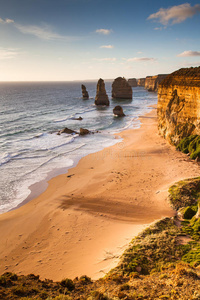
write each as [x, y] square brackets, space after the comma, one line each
[141, 81]
[152, 82]
[101, 96]
[132, 82]
[179, 105]
[84, 92]
[121, 89]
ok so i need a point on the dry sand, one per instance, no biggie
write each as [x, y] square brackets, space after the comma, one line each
[86, 218]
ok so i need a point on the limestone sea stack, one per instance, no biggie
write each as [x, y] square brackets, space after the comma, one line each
[121, 89]
[118, 111]
[179, 105]
[132, 82]
[101, 96]
[84, 92]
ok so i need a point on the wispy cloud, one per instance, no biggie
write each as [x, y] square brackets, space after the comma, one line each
[44, 31]
[140, 59]
[111, 59]
[8, 53]
[107, 46]
[6, 21]
[159, 28]
[175, 14]
[104, 31]
[189, 53]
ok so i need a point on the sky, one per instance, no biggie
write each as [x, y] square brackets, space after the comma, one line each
[64, 40]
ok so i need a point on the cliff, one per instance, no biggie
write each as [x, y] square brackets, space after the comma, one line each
[141, 81]
[121, 89]
[152, 82]
[132, 82]
[179, 105]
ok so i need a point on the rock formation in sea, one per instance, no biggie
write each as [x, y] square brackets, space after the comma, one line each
[141, 81]
[179, 105]
[118, 111]
[152, 82]
[84, 92]
[132, 82]
[101, 96]
[121, 89]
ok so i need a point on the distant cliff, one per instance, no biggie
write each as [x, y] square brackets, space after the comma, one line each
[152, 82]
[179, 105]
[141, 81]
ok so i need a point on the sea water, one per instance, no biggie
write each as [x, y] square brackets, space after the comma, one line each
[31, 114]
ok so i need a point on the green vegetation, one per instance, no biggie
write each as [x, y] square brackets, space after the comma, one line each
[185, 193]
[191, 145]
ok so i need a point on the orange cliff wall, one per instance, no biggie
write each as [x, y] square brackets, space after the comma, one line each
[179, 105]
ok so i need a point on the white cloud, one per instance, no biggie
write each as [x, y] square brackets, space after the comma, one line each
[189, 53]
[175, 14]
[139, 52]
[6, 21]
[112, 59]
[8, 53]
[104, 31]
[140, 59]
[107, 46]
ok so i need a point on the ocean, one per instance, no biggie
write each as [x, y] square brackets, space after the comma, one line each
[31, 115]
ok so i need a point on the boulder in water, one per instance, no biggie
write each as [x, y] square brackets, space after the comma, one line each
[118, 111]
[84, 131]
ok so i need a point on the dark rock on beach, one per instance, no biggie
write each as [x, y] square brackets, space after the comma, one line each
[67, 130]
[84, 92]
[84, 131]
[118, 111]
[101, 96]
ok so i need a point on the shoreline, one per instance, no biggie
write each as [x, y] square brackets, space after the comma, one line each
[85, 218]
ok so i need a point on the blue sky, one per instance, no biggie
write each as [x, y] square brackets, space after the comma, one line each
[88, 39]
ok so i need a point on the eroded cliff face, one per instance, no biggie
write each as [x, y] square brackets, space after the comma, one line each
[152, 82]
[179, 105]
[141, 82]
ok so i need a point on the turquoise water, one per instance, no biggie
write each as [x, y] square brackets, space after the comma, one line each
[31, 114]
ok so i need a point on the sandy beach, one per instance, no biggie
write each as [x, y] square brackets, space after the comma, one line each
[85, 219]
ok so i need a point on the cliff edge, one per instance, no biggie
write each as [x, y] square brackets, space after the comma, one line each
[179, 105]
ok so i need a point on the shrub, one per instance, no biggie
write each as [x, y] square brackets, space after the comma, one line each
[68, 283]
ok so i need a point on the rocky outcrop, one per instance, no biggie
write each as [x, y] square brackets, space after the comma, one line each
[101, 96]
[118, 111]
[152, 82]
[84, 92]
[121, 89]
[67, 130]
[84, 131]
[179, 105]
[132, 82]
[141, 81]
